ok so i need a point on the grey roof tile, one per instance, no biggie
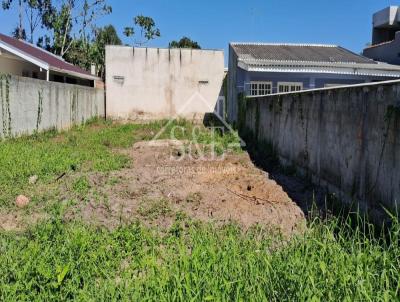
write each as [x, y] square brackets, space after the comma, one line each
[298, 53]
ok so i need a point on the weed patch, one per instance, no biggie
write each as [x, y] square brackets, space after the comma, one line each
[154, 208]
[49, 155]
[81, 186]
[199, 262]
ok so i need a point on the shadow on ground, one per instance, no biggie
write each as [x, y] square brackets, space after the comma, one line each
[308, 196]
[311, 198]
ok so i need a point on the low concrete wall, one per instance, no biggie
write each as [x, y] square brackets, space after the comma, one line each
[152, 83]
[29, 105]
[347, 139]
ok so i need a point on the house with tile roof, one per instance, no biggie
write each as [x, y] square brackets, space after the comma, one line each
[21, 58]
[257, 69]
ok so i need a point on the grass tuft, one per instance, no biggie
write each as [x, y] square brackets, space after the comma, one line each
[331, 262]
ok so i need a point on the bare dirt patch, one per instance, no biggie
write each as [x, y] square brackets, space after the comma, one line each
[19, 220]
[164, 181]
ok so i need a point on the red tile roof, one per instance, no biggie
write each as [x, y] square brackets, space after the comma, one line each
[55, 63]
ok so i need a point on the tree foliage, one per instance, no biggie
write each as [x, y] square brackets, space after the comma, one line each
[33, 12]
[69, 29]
[31, 8]
[104, 36]
[68, 21]
[146, 27]
[185, 42]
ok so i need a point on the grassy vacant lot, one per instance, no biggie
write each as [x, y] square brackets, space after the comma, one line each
[59, 260]
[85, 149]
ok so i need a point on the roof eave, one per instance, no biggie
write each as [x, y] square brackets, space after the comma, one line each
[23, 55]
[75, 74]
[282, 44]
[323, 69]
[348, 69]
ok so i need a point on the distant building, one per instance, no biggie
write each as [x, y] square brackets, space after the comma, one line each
[261, 69]
[385, 45]
[21, 58]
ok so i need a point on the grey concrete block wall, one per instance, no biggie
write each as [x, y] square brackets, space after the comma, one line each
[29, 105]
[347, 139]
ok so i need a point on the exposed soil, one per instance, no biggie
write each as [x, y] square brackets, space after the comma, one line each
[19, 220]
[165, 180]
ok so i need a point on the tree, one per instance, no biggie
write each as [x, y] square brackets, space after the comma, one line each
[90, 12]
[71, 23]
[33, 11]
[19, 31]
[58, 21]
[18, 34]
[129, 31]
[185, 42]
[104, 36]
[70, 28]
[147, 28]
[87, 53]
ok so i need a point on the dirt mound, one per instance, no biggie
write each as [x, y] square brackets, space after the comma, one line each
[167, 178]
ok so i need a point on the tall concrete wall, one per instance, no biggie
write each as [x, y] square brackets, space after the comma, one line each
[29, 105]
[151, 83]
[347, 139]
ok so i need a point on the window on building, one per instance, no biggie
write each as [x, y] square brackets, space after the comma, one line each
[289, 86]
[260, 88]
[26, 73]
[58, 78]
[71, 80]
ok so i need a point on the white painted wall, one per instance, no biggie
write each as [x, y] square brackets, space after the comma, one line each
[151, 83]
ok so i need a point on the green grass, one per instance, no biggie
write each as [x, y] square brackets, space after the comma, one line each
[154, 208]
[335, 260]
[84, 148]
[51, 154]
[81, 186]
[198, 262]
